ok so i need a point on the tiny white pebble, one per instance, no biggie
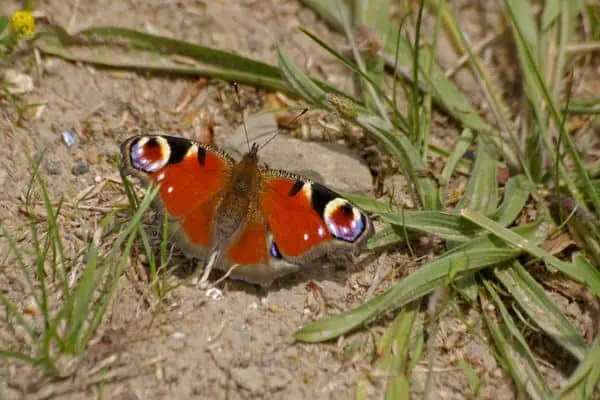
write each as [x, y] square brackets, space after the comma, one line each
[97, 179]
[214, 293]
[178, 335]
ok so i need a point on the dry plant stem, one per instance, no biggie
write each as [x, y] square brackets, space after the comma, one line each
[588, 47]
[477, 48]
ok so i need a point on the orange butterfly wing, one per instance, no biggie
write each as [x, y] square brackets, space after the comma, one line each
[191, 178]
[307, 220]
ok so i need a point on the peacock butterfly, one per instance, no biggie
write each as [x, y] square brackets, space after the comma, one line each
[266, 222]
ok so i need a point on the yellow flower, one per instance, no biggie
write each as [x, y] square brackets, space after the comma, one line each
[23, 23]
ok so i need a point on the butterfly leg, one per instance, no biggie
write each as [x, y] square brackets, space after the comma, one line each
[202, 283]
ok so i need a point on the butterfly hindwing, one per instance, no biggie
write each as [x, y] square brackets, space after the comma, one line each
[191, 175]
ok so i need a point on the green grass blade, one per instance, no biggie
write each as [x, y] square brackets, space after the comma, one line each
[136, 60]
[444, 225]
[481, 194]
[460, 147]
[516, 193]
[588, 276]
[393, 351]
[19, 356]
[582, 383]
[82, 296]
[534, 301]
[12, 310]
[469, 257]
[512, 346]
[149, 52]
[303, 85]
[390, 234]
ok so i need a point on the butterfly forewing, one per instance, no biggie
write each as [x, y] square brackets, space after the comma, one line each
[191, 176]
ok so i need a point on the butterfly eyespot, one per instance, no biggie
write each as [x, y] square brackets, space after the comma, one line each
[343, 220]
[150, 154]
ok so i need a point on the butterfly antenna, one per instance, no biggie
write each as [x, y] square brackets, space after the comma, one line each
[239, 105]
[277, 130]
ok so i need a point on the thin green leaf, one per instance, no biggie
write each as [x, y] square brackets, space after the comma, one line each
[390, 234]
[516, 194]
[444, 225]
[582, 383]
[393, 349]
[481, 194]
[149, 52]
[534, 301]
[460, 147]
[300, 81]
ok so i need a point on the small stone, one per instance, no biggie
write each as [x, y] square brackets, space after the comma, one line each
[249, 378]
[178, 335]
[214, 294]
[92, 155]
[80, 168]
[69, 138]
[31, 307]
[17, 82]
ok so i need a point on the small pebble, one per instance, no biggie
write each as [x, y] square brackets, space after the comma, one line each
[92, 155]
[97, 179]
[214, 293]
[31, 307]
[80, 168]
[68, 138]
[178, 335]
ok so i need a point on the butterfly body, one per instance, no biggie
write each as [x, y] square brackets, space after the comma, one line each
[266, 222]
